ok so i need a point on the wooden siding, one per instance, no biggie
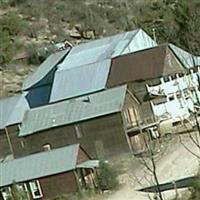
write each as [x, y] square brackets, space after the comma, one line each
[60, 184]
[16, 142]
[82, 156]
[140, 91]
[103, 136]
[4, 146]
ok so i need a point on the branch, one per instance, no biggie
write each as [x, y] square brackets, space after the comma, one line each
[188, 149]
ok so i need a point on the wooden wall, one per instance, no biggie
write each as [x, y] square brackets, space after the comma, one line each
[101, 137]
[57, 185]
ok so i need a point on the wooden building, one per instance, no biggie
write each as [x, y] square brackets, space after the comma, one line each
[99, 122]
[48, 174]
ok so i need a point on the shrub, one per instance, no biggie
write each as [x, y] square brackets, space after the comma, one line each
[12, 23]
[195, 189]
[107, 177]
[6, 47]
[38, 55]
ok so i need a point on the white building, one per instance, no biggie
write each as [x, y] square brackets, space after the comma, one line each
[175, 97]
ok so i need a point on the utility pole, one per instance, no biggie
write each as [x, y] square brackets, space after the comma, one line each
[154, 34]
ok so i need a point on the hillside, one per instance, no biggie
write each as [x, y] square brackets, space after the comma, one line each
[27, 26]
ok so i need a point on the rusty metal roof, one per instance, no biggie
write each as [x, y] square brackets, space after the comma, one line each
[143, 65]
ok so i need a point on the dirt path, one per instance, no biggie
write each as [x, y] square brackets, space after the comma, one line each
[176, 163]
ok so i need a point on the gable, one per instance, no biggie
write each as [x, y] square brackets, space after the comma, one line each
[172, 65]
[141, 65]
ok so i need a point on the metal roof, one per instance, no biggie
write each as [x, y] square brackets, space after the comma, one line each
[137, 66]
[39, 165]
[84, 58]
[79, 81]
[107, 47]
[74, 110]
[44, 69]
[187, 59]
[12, 110]
[89, 164]
[96, 50]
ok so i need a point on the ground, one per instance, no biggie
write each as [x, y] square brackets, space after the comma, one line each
[174, 162]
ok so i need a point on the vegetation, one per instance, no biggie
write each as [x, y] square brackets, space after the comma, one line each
[175, 21]
[195, 190]
[17, 194]
[107, 177]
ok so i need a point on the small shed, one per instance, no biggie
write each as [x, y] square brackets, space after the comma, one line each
[48, 174]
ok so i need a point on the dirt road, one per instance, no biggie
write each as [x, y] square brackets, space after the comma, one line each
[175, 163]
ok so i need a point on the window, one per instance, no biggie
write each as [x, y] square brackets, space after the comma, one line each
[46, 147]
[35, 189]
[78, 131]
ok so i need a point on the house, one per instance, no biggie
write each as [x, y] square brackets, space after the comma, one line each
[100, 122]
[86, 62]
[48, 174]
[135, 69]
[12, 110]
[87, 81]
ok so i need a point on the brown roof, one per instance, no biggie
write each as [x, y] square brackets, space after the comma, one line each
[141, 65]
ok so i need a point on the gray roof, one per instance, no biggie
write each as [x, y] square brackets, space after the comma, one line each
[89, 164]
[187, 59]
[12, 110]
[74, 110]
[39, 165]
[78, 68]
[44, 69]
[81, 80]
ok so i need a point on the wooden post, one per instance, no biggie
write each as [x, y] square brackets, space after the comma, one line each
[77, 181]
[9, 141]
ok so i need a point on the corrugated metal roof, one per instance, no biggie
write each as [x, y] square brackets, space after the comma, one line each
[137, 66]
[95, 54]
[80, 80]
[107, 47]
[74, 110]
[44, 69]
[38, 165]
[187, 59]
[12, 110]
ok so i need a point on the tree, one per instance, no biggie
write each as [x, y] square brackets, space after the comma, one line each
[107, 177]
[150, 164]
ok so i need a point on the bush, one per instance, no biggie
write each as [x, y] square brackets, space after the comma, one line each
[37, 56]
[107, 177]
[195, 189]
[12, 23]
